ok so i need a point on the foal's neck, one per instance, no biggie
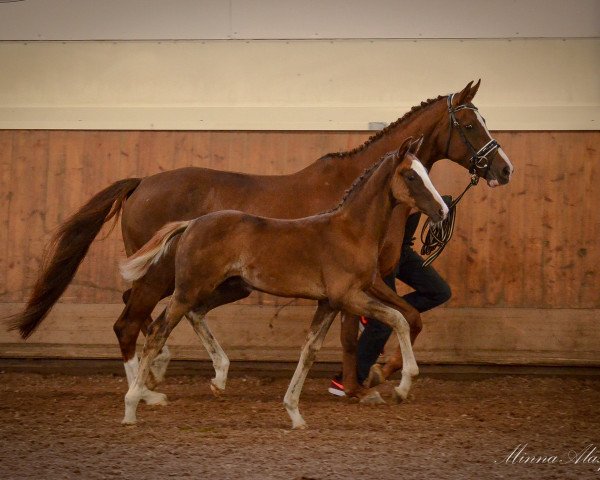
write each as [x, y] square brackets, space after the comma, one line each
[368, 208]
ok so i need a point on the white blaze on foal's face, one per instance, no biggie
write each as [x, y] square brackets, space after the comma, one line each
[422, 192]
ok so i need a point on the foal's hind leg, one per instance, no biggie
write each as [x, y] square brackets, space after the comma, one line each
[318, 329]
[140, 303]
[157, 335]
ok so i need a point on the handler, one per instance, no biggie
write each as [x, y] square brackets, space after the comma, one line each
[431, 290]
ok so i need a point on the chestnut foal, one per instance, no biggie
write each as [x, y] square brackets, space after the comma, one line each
[331, 257]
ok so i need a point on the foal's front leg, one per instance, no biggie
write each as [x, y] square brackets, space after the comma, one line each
[382, 292]
[318, 329]
[217, 354]
[360, 303]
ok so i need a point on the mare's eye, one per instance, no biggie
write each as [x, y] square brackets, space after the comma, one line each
[469, 126]
[410, 178]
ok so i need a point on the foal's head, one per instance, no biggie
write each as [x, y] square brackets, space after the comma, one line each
[411, 184]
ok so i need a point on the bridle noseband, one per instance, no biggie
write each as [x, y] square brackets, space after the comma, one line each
[479, 158]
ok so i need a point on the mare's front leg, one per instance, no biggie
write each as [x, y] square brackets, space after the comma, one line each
[157, 336]
[349, 339]
[318, 329]
[360, 303]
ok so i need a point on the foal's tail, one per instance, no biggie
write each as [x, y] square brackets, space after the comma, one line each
[137, 265]
[66, 251]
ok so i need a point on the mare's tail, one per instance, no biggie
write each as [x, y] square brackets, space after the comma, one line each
[137, 265]
[66, 251]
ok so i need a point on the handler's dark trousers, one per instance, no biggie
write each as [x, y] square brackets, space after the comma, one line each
[431, 290]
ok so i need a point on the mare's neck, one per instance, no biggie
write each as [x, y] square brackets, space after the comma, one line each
[429, 121]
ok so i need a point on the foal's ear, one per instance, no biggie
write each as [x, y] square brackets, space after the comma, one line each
[416, 145]
[401, 152]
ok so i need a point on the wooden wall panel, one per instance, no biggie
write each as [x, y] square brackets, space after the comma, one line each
[530, 245]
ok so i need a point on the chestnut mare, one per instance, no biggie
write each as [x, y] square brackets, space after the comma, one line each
[453, 129]
[330, 257]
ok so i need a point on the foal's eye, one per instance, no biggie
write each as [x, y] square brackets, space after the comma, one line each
[469, 126]
[410, 178]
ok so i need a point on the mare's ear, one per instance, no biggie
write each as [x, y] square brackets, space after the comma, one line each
[461, 97]
[473, 90]
[416, 145]
[401, 152]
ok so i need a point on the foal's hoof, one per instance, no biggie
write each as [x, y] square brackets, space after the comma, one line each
[128, 422]
[300, 426]
[399, 396]
[154, 398]
[376, 376]
[216, 391]
[372, 398]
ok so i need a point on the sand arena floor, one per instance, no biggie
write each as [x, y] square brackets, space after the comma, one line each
[63, 426]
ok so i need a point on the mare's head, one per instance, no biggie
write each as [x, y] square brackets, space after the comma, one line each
[411, 184]
[469, 143]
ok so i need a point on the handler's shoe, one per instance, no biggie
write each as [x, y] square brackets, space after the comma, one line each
[362, 324]
[336, 388]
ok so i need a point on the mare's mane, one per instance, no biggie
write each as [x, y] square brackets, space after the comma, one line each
[360, 181]
[387, 129]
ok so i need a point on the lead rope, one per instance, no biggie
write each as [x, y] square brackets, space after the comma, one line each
[435, 236]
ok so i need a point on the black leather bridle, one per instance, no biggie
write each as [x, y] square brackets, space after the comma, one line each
[479, 158]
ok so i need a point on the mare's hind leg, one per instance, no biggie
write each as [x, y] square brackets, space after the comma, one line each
[360, 303]
[157, 335]
[318, 329]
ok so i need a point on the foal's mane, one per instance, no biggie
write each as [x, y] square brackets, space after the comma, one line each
[359, 182]
[387, 129]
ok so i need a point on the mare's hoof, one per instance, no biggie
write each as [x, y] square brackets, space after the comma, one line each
[375, 377]
[372, 398]
[128, 423]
